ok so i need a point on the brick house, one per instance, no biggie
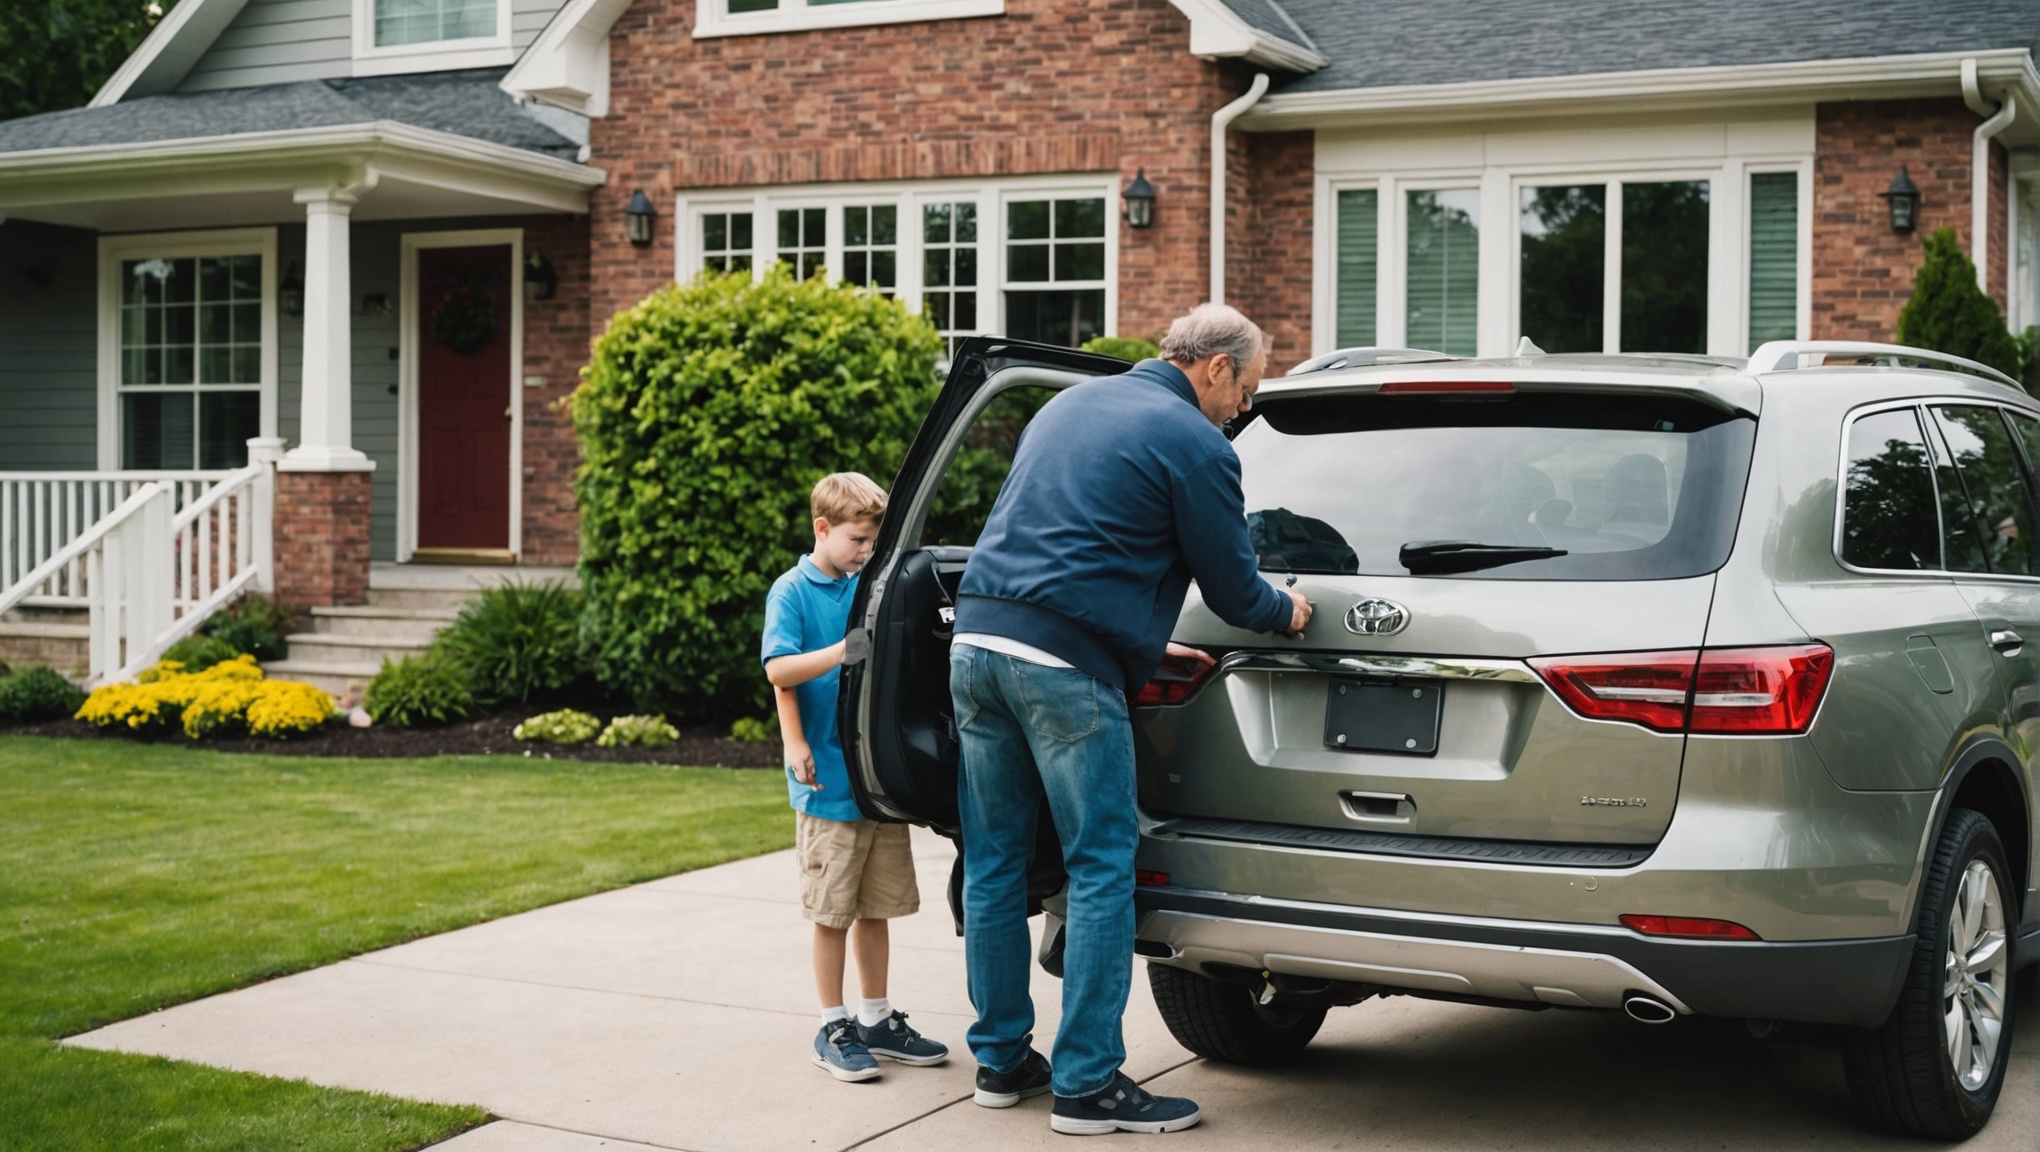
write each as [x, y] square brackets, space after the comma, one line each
[1590, 175]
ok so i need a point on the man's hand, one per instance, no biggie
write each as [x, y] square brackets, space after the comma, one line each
[1299, 617]
[801, 759]
[1185, 652]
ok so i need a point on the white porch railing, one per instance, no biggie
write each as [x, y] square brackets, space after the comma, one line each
[149, 555]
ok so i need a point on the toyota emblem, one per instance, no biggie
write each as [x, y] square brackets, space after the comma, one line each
[1373, 617]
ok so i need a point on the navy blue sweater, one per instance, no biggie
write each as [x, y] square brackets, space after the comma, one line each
[1121, 493]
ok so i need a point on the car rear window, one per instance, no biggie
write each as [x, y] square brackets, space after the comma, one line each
[1627, 487]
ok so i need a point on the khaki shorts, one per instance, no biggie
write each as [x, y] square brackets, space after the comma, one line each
[854, 870]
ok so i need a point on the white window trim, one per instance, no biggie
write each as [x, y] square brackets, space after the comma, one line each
[714, 18]
[990, 197]
[1802, 317]
[433, 55]
[113, 250]
[410, 244]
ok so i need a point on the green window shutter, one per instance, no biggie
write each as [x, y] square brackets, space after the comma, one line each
[1444, 270]
[1359, 240]
[1774, 256]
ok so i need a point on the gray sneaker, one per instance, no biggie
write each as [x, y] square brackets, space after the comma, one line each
[894, 1040]
[839, 1053]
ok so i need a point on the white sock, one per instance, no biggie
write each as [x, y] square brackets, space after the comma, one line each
[872, 1013]
[831, 1015]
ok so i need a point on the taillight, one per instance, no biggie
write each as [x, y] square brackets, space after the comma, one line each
[1728, 691]
[1688, 927]
[1173, 681]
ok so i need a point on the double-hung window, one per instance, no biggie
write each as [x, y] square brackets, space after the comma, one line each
[1029, 258]
[188, 349]
[413, 35]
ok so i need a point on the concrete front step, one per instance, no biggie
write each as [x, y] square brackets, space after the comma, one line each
[419, 624]
[337, 679]
[64, 647]
[354, 651]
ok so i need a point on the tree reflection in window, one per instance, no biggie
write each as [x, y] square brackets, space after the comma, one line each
[1995, 483]
[1889, 520]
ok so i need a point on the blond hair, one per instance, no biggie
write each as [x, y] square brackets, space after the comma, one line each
[843, 497]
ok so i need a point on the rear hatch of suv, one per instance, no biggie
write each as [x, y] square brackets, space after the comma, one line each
[1466, 545]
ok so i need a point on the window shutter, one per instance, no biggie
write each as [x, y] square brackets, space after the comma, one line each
[1774, 256]
[1358, 241]
[1444, 270]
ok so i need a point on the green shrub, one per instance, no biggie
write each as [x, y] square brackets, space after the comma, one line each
[420, 690]
[752, 730]
[199, 652]
[642, 731]
[707, 414]
[254, 624]
[563, 727]
[1125, 347]
[517, 641]
[1949, 313]
[34, 694]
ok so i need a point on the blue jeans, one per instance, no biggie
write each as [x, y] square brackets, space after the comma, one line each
[1029, 730]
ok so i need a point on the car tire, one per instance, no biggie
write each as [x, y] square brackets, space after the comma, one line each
[1905, 1075]
[1225, 1022]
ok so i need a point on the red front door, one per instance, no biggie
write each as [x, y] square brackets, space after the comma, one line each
[464, 397]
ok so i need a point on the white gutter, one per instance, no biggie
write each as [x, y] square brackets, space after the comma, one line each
[1979, 168]
[1220, 121]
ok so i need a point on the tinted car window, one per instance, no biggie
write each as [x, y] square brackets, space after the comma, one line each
[1627, 487]
[1888, 514]
[1994, 484]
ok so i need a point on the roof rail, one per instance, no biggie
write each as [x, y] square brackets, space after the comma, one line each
[1368, 357]
[1785, 355]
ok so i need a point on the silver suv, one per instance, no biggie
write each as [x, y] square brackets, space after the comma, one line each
[1665, 685]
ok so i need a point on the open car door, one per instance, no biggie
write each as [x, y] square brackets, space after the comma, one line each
[897, 724]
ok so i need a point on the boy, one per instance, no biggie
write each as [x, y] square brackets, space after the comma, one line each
[855, 873]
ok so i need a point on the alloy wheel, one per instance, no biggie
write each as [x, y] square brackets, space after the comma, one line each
[1977, 977]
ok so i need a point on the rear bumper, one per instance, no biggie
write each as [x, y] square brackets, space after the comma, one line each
[1852, 982]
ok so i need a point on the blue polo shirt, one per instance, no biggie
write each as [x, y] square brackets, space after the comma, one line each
[806, 611]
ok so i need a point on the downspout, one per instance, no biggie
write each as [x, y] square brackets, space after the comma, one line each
[1979, 168]
[1220, 121]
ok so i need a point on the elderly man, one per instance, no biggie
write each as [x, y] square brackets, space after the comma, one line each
[1123, 490]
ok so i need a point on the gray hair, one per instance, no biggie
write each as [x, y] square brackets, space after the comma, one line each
[1210, 329]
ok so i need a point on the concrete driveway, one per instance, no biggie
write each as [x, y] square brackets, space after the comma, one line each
[677, 1015]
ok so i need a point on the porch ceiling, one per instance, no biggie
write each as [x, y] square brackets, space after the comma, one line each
[251, 178]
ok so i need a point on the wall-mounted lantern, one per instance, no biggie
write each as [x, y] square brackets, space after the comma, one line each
[638, 217]
[1139, 196]
[377, 304]
[1904, 198]
[540, 281]
[290, 292]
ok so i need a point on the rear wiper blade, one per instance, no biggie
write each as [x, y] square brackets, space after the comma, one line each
[1444, 557]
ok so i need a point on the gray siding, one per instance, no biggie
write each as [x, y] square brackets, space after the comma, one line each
[49, 336]
[280, 41]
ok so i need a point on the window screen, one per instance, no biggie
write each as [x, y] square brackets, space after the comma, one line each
[1889, 518]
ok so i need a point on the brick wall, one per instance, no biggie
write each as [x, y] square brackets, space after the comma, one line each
[1271, 179]
[1053, 86]
[1862, 271]
[556, 348]
[321, 538]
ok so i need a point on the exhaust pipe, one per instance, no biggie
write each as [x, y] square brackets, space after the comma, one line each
[1648, 1009]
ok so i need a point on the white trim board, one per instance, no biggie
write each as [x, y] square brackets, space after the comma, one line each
[168, 52]
[407, 376]
[230, 242]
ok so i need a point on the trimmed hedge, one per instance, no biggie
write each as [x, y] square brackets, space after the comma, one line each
[706, 416]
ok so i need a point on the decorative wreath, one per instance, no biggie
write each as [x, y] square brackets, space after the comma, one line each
[465, 317]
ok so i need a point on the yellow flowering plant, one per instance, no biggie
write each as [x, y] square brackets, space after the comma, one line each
[229, 697]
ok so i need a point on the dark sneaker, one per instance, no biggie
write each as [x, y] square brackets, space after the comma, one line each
[894, 1040]
[1123, 1107]
[839, 1053]
[1031, 1078]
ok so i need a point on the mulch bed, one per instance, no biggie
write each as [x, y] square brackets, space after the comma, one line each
[488, 735]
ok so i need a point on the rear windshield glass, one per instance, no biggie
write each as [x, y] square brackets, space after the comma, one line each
[1627, 487]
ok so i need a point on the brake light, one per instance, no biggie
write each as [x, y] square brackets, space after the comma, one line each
[1148, 878]
[1688, 927]
[1435, 387]
[1719, 692]
[1647, 688]
[1173, 681]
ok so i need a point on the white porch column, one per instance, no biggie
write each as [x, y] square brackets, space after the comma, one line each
[326, 412]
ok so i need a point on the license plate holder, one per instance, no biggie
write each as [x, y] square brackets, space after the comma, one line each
[1401, 717]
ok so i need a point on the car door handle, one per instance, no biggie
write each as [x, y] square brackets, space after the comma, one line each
[2007, 641]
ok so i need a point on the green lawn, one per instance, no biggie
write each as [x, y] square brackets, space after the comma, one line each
[134, 877]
